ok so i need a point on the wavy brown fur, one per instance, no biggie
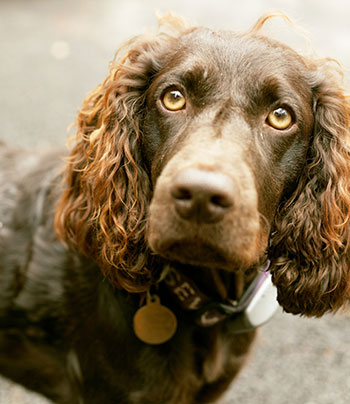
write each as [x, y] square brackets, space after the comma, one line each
[103, 207]
[310, 251]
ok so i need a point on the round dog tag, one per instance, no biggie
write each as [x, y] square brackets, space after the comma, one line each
[154, 323]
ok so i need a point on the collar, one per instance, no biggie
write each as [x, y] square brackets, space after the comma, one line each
[256, 306]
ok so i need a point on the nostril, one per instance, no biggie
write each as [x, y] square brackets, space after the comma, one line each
[222, 201]
[181, 193]
[184, 200]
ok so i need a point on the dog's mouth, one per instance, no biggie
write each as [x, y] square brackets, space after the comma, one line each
[201, 254]
[201, 218]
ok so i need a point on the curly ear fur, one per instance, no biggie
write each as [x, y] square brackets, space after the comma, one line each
[310, 249]
[107, 190]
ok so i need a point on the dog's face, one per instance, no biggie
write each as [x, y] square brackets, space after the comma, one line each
[226, 132]
[209, 147]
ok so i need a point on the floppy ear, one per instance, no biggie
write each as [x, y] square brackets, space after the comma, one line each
[310, 249]
[101, 212]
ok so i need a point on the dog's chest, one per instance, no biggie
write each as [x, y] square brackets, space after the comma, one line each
[197, 365]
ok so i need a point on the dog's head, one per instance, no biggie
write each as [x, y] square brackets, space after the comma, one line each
[205, 147]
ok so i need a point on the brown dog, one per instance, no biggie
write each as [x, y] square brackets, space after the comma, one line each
[200, 154]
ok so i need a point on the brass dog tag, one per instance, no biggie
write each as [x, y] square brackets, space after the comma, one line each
[154, 323]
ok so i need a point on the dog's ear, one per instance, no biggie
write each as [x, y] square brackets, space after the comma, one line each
[310, 248]
[102, 209]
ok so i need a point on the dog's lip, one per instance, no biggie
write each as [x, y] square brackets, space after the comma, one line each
[198, 254]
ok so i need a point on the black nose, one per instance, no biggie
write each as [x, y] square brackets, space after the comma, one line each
[202, 196]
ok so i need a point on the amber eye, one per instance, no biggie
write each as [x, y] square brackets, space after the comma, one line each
[280, 118]
[173, 100]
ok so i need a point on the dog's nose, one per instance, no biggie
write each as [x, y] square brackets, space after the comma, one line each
[202, 196]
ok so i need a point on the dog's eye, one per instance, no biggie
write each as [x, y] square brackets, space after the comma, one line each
[173, 100]
[280, 118]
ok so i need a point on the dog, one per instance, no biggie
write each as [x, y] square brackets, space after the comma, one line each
[203, 160]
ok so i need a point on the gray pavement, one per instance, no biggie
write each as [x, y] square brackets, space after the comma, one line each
[54, 51]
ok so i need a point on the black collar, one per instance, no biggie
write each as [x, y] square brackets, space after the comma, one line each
[256, 306]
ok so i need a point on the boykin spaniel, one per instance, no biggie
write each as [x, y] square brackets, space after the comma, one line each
[202, 159]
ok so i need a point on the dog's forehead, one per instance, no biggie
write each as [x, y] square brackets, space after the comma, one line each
[245, 56]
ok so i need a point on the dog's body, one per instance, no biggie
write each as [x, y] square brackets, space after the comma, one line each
[200, 150]
[62, 332]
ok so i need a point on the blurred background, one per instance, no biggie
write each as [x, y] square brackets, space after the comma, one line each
[52, 52]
